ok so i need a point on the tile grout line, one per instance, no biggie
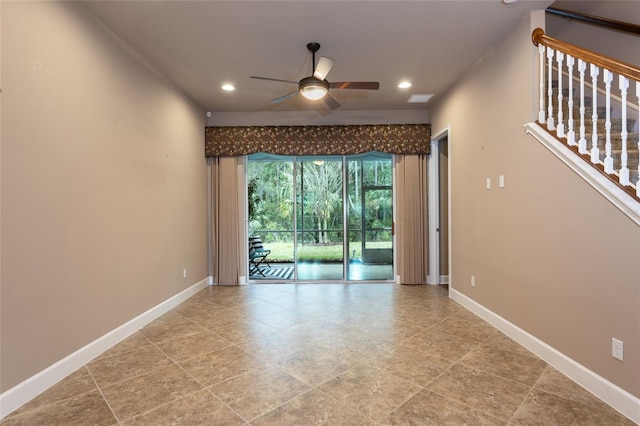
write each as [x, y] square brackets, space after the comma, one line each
[103, 395]
[144, 373]
[527, 396]
[203, 387]
[457, 362]
[573, 401]
[16, 415]
[346, 405]
[405, 400]
[281, 405]
[460, 362]
[463, 404]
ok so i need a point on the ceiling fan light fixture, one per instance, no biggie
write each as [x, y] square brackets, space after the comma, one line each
[313, 92]
[312, 88]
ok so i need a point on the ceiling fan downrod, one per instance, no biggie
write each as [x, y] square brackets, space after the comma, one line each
[313, 48]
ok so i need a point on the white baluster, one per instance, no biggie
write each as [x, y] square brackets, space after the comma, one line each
[560, 127]
[541, 112]
[571, 134]
[550, 122]
[582, 143]
[638, 181]
[595, 152]
[608, 160]
[623, 82]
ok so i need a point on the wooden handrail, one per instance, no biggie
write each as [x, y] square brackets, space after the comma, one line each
[539, 37]
[597, 20]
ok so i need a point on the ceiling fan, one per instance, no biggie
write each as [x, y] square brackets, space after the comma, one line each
[316, 86]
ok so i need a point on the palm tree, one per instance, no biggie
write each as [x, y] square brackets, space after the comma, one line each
[323, 193]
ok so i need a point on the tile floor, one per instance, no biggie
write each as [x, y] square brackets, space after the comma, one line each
[296, 354]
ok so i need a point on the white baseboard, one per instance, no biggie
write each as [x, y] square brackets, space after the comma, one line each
[444, 279]
[24, 392]
[616, 397]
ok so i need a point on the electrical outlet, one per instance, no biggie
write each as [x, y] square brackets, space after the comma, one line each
[617, 348]
[501, 181]
[473, 280]
[184, 273]
[488, 185]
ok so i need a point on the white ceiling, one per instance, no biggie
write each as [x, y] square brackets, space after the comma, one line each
[200, 45]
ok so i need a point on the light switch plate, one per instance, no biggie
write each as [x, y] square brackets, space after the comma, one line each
[617, 349]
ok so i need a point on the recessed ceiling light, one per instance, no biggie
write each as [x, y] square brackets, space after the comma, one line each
[417, 99]
[404, 85]
[228, 87]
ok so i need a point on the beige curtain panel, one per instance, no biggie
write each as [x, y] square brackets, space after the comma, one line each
[411, 179]
[226, 220]
[318, 140]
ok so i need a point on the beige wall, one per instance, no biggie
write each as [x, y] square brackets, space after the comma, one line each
[104, 186]
[549, 253]
[318, 118]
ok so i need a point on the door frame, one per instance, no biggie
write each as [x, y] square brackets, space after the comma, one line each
[434, 275]
[296, 160]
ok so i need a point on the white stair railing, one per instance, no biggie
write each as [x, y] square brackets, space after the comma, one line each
[615, 145]
[582, 144]
[623, 82]
[595, 152]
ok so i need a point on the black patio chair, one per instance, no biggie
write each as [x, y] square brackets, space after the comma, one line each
[257, 256]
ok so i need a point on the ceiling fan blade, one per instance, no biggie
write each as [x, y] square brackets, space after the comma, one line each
[330, 101]
[367, 85]
[323, 67]
[274, 79]
[285, 97]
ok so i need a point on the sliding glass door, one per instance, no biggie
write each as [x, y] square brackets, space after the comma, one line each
[312, 213]
[271, 213]
[320, 224]
[370, 217]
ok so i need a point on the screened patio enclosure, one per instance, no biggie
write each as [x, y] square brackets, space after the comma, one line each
[323, 218]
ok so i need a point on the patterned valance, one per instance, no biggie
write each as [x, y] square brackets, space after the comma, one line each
[318, 140]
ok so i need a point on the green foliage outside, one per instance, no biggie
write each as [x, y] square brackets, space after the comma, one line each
[283, 252]
[319, 206]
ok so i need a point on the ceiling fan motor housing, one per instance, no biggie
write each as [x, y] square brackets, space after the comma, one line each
[313, 88]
